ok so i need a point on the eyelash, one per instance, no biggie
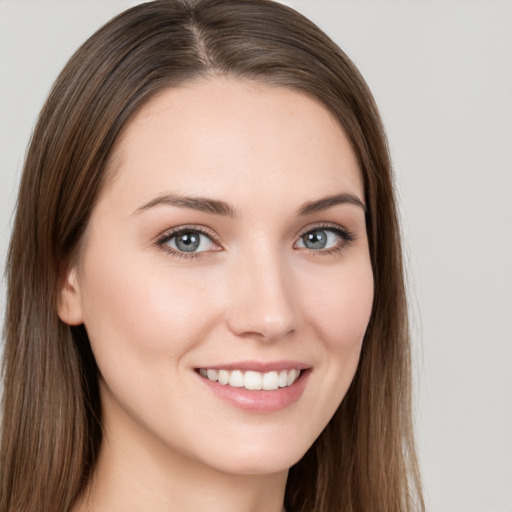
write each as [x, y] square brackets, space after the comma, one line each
[166, 237]
[346, 236]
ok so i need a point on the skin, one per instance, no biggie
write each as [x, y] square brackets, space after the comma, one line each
[256, 293]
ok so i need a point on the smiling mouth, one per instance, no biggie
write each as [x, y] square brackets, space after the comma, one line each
[252, 380]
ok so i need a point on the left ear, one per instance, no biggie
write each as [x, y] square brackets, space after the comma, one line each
[69, 300]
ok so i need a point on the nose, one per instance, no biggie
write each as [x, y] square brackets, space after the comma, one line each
[262, 302]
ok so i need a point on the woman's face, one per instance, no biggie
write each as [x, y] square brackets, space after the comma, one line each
[227, 252]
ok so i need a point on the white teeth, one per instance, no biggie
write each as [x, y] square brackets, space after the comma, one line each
[236, 379]
[212, 374]
[282, 380]
[223, 377]
[270, 381]
[252, 380]
[292, 377]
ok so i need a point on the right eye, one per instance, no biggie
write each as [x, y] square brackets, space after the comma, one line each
[187, 242]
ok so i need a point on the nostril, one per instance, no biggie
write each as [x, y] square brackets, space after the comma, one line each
[262, 302]
[252, 322]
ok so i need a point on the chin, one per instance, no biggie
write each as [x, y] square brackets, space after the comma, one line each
[266, 454]
[249, 464]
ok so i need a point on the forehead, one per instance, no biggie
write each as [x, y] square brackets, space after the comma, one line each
[216, 134]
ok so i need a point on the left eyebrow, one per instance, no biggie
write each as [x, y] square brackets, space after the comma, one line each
[327, 202]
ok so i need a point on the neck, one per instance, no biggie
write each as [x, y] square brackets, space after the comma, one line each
[131, 487]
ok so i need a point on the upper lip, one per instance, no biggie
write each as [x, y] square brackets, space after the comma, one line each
[259, 366]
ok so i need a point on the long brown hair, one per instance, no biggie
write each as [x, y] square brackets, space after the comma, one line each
[51, 436]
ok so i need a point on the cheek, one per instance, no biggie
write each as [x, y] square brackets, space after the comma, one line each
[135, 312]
[341, 308]
[339, 313]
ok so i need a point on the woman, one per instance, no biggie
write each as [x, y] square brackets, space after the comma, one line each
[206, 306]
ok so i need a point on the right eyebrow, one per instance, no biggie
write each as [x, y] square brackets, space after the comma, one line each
[202, 204]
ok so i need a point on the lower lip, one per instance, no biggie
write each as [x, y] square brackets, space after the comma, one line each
[260, 401]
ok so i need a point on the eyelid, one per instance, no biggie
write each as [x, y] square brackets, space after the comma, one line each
[326, 225]
[347, 236]
[162, 239]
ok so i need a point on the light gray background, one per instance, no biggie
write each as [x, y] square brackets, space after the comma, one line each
[441, 72]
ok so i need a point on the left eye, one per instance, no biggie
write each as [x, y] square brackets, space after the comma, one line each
[189, 241]
[318, 239]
